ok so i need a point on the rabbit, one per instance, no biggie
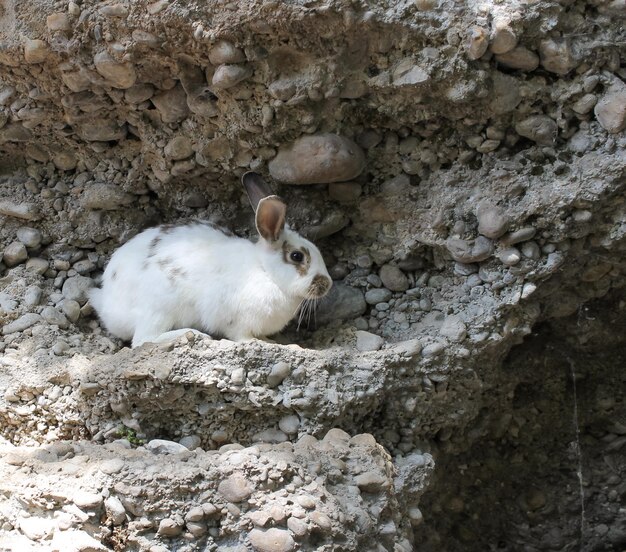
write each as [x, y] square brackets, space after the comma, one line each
[169, 280]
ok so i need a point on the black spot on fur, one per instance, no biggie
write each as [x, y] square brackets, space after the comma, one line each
[152, 248]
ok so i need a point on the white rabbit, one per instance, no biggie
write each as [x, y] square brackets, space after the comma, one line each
[198, 276]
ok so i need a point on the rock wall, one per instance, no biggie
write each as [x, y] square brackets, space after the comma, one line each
[462, 169]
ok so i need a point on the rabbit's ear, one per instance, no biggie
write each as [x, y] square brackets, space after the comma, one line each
[270, 217]
[256, 188]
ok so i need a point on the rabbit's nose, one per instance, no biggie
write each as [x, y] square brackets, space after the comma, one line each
[320, 285]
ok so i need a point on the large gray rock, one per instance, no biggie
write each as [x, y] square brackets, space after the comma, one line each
[321, 158]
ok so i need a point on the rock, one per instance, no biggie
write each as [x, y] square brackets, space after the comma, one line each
[433, 349]
[333, 222]
[112, 466]
[453, 328]
[169, 527]
[195, 514]
[289, 424]
[407, 72]
[104, 196]
[65, 160]
[366, 341]
[197, 528]
[393, 278]
[54, 317]
[71, 309]
[7, 303]
[116, 74]
[283, 89]
[74, 540]
[321, 158]
[114, 10]
[520, 235]
[179, 147]
[139, 93]
[503, 39]
[224, 51]
[37, 265]
[115, 510]
[467, 252]
[509, 256]
[272, 540]
[538, 128]
[321, 520]
[76, 288]
[235, 489]
[35, 51]
[14, 254]
[191, 442]
[556, 56]
[101, 130]
[278, 373]
[519, 58]
[297, 526]
[506, 94]
[227, 76]
[22, 210]
[15, 132]
[344, 191]
[610, 111]
[162, 446]
[531, 250]
[58, 22]
[493, 222]
[585, 104]
[342, 303]
[477, 42]
[270, 436]
[86, 500]
[408, 348]
[36, 528]
[172, 104]
[371, 482]
[32, 296]
[377, 295]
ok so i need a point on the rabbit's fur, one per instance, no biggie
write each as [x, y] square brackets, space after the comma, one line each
[199, 276]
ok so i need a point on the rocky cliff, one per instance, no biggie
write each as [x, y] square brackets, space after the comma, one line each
[462, 168]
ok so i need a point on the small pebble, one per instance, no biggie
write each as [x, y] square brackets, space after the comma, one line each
[538, 128]
[224, 51]
[115, 510]
[492, 220]
[509, 256]
[378, 295]
[393, 278]
[235, 488]
[15, 253]
[366, 341]
[58, 22]
[278, 373]
[272, 540]
[453, 328]
[169, 527]
[610, 111]
[71, 309]
[22, 323]
[32, 296]
[54, 317]
[227, 76]
[289, 424]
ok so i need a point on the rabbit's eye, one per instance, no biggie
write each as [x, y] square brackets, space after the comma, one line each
[296, 256]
